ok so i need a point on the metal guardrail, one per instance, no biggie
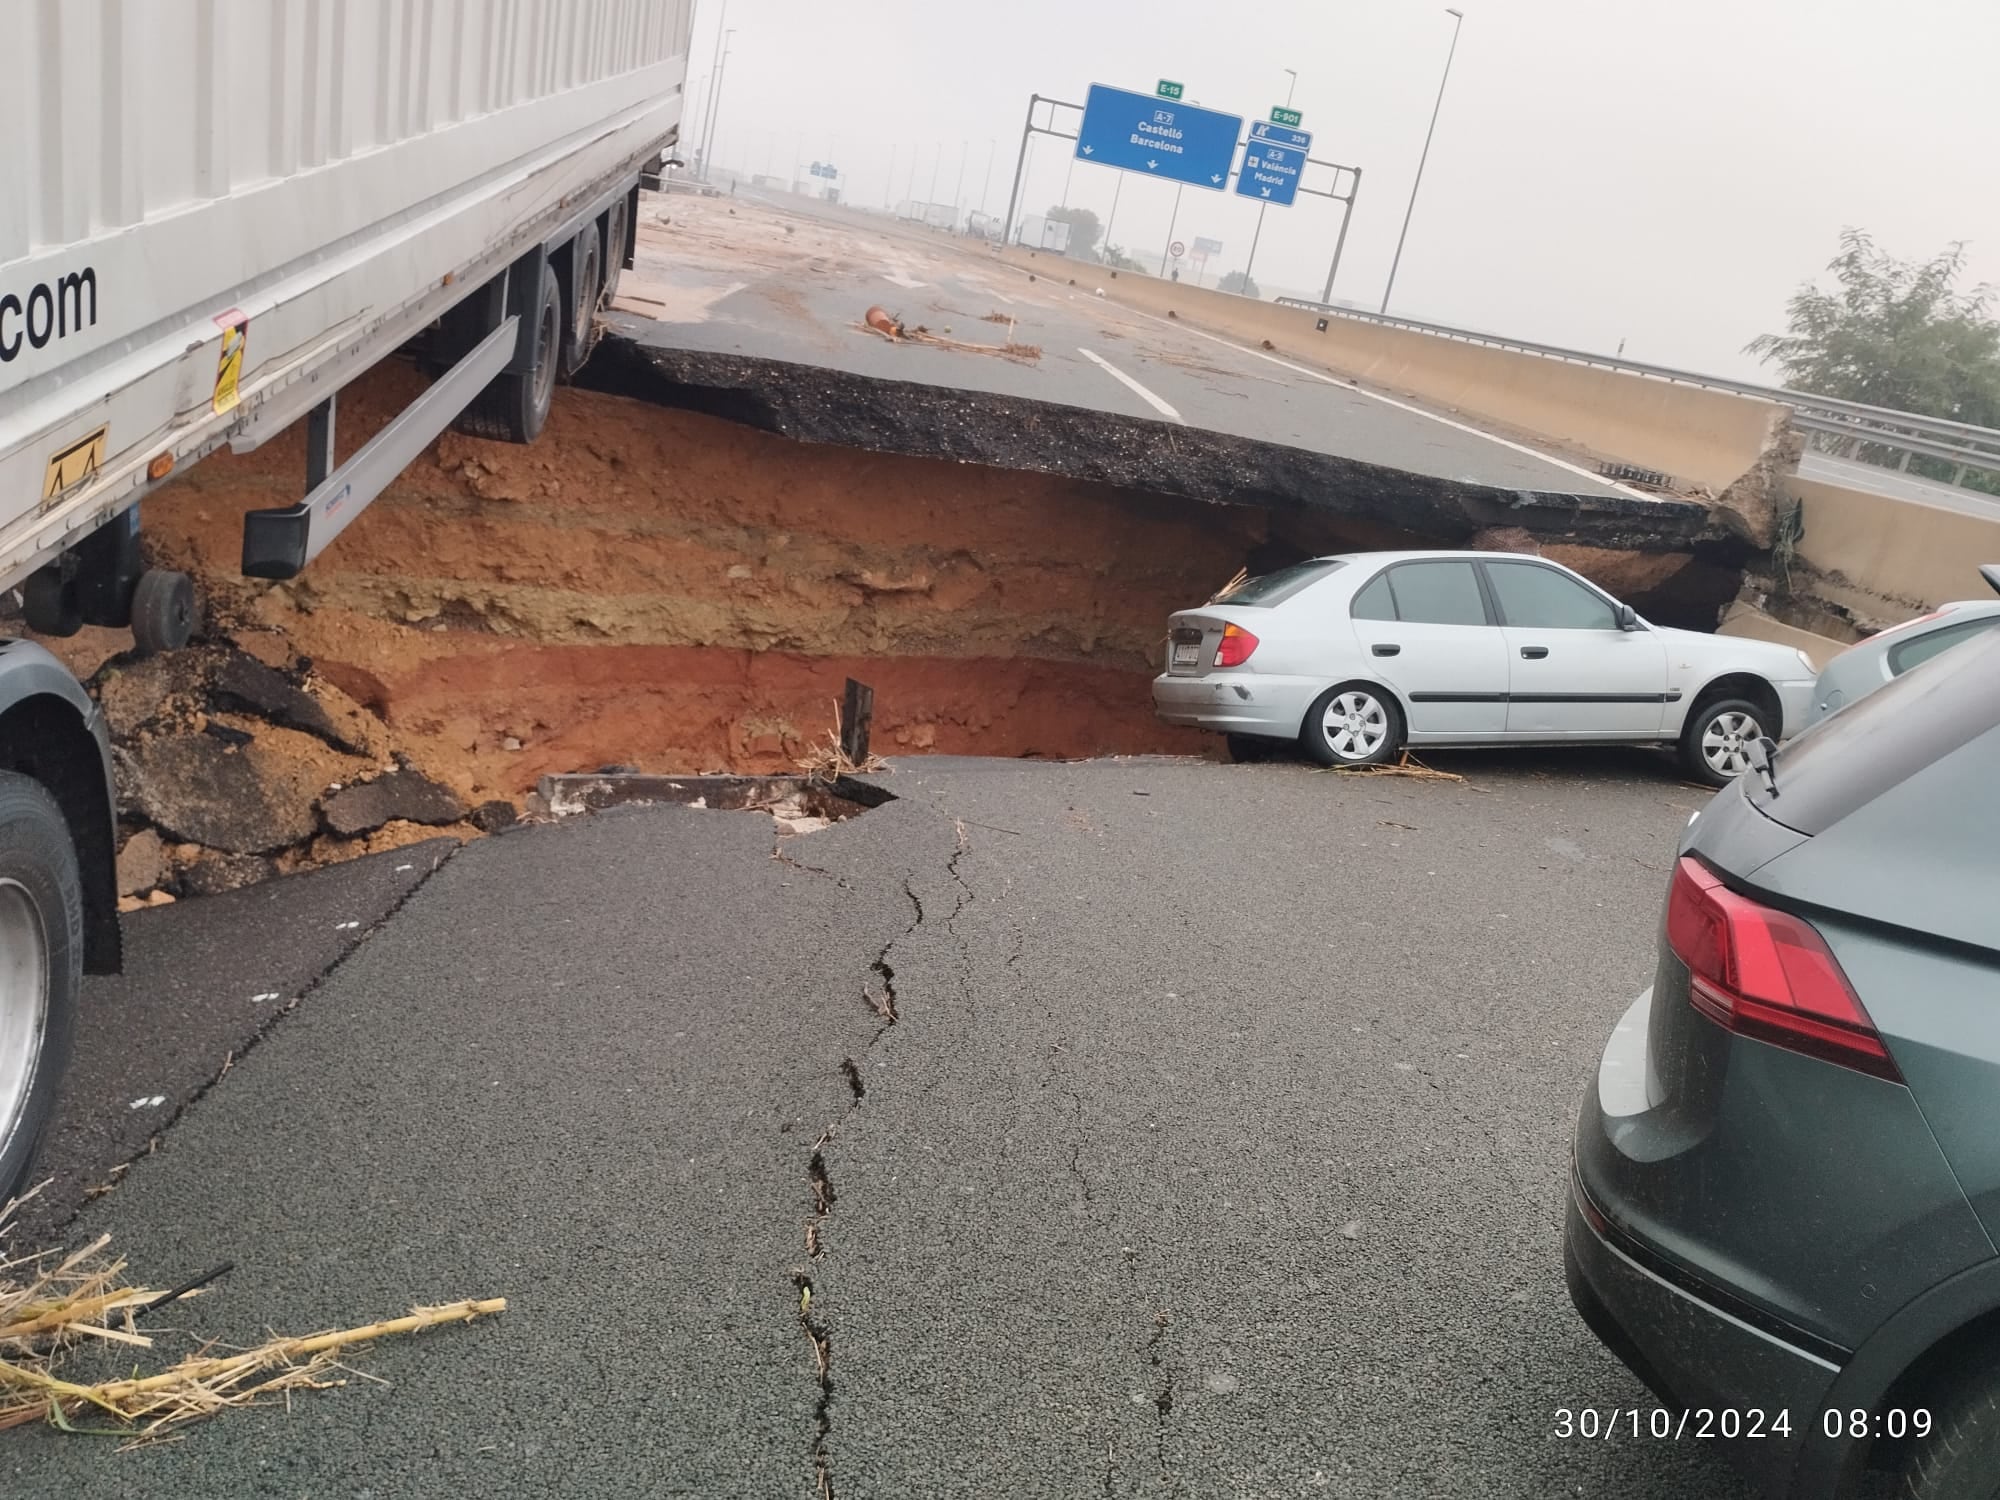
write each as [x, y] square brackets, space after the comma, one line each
[1964, 443]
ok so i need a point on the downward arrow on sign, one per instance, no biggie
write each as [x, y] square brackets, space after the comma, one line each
[1215, 177]
[1150, 165]
[1267, 192]
[1089, 150]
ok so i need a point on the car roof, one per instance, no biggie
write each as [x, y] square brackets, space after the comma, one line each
[1435, 554]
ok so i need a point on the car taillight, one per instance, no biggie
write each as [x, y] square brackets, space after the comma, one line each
[1237, 644]
[1766, 974]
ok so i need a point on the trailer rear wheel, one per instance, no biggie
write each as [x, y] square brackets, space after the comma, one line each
[515, 406]
[586, 286]
[162, 611]
[41, 966]
[49, 602]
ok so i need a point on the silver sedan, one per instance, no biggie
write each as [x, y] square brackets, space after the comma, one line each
[1861, 669]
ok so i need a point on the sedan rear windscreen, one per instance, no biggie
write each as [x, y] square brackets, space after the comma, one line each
[1275, 588]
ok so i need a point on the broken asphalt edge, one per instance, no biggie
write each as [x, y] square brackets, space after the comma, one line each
[814, 404]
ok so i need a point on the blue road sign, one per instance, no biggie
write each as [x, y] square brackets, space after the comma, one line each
[1273, 163]
[1157, 137]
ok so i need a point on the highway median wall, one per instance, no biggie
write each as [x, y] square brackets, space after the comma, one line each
[1893, 557]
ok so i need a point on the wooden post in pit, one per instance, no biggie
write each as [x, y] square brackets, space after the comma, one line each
[857, 717]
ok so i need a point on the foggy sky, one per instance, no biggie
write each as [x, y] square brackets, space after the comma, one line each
[1663, 172]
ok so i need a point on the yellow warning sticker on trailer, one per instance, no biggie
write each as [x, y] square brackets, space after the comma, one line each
[229, 362]
[70, 466]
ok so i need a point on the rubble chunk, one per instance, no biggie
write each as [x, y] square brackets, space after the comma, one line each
[408, 796]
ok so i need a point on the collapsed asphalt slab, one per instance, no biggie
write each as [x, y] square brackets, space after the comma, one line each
[818, 404]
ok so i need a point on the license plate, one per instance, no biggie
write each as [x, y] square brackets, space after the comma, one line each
[1186, 655]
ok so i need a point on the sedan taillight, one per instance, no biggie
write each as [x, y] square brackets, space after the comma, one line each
[1767, 974]
[1235, 647]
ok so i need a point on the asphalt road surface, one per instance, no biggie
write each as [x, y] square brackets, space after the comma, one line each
[1877, 480]
[1217, 1147]
[785, 278]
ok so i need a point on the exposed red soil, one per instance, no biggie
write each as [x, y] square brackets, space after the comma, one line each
[670, 591]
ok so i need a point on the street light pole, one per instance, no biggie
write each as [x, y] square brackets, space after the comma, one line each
[936, 161]
[714, 86]
[1167, 248]
[889, 188]
[958, 193]
[715, 98]
[1411, 210]
[986, 192]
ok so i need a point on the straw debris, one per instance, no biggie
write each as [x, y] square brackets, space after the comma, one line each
[830, 761]
[50, 1307]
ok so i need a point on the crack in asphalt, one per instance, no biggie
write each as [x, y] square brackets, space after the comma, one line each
[1163, 1403]
[115, 1174]
[1056, 1076]
[880, 994]
[778, 853]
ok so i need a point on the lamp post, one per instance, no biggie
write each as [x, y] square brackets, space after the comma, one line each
[1457, 22]
[987, 191]
[715, 99]
[714, 86]
[958, 193]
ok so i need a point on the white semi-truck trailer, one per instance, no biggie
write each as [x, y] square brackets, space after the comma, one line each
[213, 215]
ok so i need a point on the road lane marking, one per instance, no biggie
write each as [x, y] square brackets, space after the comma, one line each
[1139, 390]
[1360, 390]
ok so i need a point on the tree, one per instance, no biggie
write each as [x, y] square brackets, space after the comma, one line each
[1084, 230]
[1897, 333]
[1240, 281]
[1118, 260]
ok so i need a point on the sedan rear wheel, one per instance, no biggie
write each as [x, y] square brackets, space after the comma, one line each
[1354, 724]
[1715, 745]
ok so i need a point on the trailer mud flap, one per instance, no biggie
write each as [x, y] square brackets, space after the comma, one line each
[279, 543]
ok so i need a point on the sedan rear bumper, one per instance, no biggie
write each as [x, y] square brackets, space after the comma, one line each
[1236, 702]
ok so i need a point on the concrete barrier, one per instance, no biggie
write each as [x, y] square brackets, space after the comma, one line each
[1910, 557]
[1716, 440]
[1752, 623]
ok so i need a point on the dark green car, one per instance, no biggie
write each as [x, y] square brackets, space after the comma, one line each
[1786, 1195]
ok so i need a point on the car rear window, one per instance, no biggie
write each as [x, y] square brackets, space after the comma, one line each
[1275, 588]
[1437, 593]
[1848, 760]
[1914, 653]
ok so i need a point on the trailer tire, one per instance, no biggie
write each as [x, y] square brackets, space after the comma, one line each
[586, 283]
[50, 605]
[41, 966]
[163, 611]
[514, 407]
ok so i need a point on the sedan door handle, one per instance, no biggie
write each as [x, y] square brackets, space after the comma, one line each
[1385, 650]
[1534, 653]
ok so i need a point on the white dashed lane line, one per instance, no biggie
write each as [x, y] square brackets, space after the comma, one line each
[1137, 389]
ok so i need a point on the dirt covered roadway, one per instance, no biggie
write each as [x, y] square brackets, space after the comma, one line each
[1217, 1147]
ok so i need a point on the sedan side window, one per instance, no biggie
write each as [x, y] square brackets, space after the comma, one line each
[1373, 602]
[1437, 593]
[1534, 598]
[1924, 647]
